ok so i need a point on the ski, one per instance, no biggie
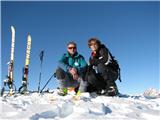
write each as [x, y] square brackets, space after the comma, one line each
[9, 81]
[23, 89]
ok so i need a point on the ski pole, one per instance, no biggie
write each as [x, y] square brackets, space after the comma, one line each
[41, 59]
[47, 82]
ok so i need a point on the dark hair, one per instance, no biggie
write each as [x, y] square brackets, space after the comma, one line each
[94, 40]
[73, 43]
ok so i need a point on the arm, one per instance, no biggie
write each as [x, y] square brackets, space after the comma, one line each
[63, 63]
[82, 63]
[104, 56]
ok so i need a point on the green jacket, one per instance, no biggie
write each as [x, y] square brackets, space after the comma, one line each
[77, 61]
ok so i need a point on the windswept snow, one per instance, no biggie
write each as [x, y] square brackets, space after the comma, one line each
[50, 106]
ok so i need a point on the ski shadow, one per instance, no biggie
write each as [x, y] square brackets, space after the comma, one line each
[44, 115]
[106, 110]
[99, 109]
[120, 95]
[129, 96]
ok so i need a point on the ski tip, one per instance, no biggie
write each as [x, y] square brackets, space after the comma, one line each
[29, 37]
[12, 28]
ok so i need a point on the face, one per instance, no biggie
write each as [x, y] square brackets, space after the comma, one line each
[93, 46]
[71, 48]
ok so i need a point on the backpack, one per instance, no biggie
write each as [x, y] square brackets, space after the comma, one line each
[114, 64]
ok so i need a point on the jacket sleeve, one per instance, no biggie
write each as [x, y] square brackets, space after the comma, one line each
[82, 63]
[63, 63]
[104, 56]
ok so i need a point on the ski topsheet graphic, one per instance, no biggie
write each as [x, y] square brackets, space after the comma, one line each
[28, 50]
[23, 88]
[9, 81]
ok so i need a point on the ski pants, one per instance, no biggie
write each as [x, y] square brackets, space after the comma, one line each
[102, 79]
[95, 81]
[66, 80]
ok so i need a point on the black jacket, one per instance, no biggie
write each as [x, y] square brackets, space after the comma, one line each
[102, 56]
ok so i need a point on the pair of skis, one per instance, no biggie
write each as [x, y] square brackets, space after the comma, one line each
[10, 78]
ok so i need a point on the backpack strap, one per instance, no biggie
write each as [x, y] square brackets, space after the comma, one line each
[119, 74]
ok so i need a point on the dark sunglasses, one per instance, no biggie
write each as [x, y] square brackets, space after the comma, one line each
[72, 48]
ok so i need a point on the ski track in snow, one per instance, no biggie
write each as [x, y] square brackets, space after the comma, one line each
[53, 107]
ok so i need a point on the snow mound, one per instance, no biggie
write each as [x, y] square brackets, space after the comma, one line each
[151, 93]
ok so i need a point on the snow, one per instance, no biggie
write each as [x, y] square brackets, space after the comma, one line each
[50, 106]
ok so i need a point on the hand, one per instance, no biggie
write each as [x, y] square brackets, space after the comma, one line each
[75, 77]
[73, 71]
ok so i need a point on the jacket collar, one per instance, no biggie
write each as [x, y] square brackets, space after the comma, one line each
[75, 55]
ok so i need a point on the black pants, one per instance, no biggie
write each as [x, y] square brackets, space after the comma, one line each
[66, 80]
[95, 81]
[102, 80]
[60, 73]
[107, 73]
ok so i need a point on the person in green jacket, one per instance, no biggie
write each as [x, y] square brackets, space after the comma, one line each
[71, 70]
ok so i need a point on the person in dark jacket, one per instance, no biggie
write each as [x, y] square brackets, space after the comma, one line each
[72, 69]
[101, 75]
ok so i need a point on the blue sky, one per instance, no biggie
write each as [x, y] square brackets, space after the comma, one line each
[129, 29]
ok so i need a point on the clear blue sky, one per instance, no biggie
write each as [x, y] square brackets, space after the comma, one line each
[129, 29]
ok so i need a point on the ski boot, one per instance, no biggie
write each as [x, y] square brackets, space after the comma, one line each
[23, 89]
[63, 91]
[111, 89]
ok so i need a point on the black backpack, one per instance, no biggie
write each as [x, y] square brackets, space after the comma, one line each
[114, 64]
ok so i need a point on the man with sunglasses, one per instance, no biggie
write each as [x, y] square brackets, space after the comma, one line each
[71, 70]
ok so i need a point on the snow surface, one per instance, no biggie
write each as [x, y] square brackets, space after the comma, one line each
[50, 106]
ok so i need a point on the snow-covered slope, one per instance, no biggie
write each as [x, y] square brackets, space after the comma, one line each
[50, 106]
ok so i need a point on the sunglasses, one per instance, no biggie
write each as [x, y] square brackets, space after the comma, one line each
[72, 48]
